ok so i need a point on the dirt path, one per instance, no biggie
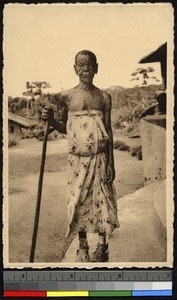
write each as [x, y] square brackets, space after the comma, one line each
[24, 162]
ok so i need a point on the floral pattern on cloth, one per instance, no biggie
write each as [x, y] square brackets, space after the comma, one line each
[91, 202]
[86, 132]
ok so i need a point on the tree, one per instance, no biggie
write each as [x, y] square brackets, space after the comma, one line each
[144, 73]
[34, 92]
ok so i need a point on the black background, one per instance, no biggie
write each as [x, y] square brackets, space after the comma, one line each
[174, 3]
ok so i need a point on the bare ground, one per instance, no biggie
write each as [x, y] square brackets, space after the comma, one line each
[24, 163]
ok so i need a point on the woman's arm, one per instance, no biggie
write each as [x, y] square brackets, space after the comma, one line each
[48, 115]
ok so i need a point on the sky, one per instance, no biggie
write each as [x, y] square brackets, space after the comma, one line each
[40, 42]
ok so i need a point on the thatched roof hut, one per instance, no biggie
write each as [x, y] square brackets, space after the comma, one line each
[159, 55]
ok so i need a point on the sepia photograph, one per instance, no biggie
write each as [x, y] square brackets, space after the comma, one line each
[88, 115]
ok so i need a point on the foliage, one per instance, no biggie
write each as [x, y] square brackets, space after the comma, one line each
[144, 73]
[18, 105]
[38, 84]
[127, 103]
[27, 133]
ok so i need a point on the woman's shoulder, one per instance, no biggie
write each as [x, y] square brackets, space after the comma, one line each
[102, 92]
[106, 95]
[106, 98]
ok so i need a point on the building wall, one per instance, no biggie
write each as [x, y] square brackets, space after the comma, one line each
[160, 213]
[153, 139]
[14, 129]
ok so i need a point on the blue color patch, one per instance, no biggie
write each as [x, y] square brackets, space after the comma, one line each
[152, 293]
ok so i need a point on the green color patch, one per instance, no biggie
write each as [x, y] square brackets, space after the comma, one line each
[110, 293]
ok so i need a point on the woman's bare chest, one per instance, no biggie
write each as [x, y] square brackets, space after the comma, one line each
[85, 101]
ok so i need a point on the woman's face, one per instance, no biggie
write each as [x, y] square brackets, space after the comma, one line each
[85, 68]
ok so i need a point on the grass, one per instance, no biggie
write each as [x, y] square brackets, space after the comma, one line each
[120, 145]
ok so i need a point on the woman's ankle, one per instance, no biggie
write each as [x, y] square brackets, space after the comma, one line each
[83, 243]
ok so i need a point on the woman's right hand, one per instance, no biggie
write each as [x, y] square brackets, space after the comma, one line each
[47, 114]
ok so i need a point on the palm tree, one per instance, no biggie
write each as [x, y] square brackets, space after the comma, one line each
[144, 73]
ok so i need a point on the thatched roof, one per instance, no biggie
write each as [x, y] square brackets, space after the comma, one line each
[21, 120]
[155, 56]
[159, 55]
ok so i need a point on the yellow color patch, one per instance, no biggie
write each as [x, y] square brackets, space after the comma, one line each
[67, 294]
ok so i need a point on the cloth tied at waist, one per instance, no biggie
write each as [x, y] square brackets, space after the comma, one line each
[86, 133]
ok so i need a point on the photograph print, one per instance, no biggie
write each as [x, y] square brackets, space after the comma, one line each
[88, 146]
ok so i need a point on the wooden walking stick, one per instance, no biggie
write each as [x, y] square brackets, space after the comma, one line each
[39, 194]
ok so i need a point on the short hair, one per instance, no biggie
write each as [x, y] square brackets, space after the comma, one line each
[87, 52]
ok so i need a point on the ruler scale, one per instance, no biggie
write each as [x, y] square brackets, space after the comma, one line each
[87, 283]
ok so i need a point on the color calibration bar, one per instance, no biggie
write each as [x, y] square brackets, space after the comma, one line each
[87, 283]
[87, 293]
[102, 289]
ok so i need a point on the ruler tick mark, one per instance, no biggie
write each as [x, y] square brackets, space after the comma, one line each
[85, 276]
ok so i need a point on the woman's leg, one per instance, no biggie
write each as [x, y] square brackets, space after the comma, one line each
[82, 240]
[101, 253]
[102, 238]
[83, 251]
[103, 246]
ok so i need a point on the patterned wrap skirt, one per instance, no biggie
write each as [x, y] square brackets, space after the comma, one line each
[91, 202]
